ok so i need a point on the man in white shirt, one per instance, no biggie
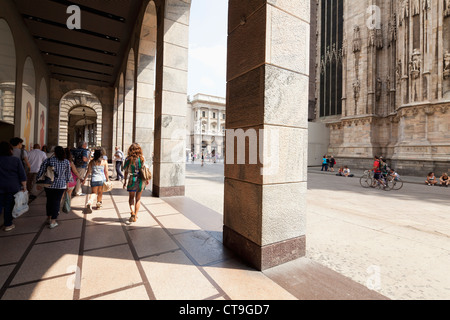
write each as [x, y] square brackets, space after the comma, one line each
[119, 159]
[35, 159]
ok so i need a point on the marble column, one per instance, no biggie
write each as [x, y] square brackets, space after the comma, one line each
[145, 87]
[267, 100]
[169, 166]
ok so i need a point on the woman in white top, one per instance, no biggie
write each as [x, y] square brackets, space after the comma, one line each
[99, 170]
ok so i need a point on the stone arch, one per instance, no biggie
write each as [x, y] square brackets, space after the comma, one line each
[72, 100]
[7, 73]
[42, 115]
[28, 108]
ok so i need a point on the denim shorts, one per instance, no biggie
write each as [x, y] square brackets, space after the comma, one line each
[96, 183]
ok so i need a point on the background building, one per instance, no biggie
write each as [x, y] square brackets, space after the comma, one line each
[383, 81]
[206, 126]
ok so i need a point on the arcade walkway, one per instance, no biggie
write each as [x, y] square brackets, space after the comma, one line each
[173, 252]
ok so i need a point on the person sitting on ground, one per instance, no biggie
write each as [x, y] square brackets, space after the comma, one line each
[431, 179]
[340, 172]
[394, 174]
[444, 179]
[347, 172]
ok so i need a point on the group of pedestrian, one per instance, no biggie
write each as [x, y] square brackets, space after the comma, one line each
[328, 163]
[69, 171]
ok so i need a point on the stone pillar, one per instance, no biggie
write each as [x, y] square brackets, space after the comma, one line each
[145, 87]
[267, 100]
[169, 167]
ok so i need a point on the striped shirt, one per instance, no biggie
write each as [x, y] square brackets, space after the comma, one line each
[62, 172]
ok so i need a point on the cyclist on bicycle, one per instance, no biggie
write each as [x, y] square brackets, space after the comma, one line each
[377, 172]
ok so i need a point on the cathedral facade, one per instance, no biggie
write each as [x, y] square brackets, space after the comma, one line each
[382, 81]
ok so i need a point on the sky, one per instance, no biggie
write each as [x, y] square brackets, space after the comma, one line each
[208, 47]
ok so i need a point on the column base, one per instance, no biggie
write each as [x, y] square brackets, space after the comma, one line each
[264, 257]
[168, 191]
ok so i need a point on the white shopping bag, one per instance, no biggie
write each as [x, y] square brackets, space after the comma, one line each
[21, 206]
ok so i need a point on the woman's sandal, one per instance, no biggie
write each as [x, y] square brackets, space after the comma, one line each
[133, 218]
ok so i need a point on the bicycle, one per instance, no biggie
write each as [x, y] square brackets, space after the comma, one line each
[396, 182]
[368, 181]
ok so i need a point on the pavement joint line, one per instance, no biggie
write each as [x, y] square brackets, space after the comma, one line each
[106, 247]
[77, 291]
[21, 284]
[99, 295]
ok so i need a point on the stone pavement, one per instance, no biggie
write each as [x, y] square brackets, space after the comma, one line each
[173, 252]
[396, 242]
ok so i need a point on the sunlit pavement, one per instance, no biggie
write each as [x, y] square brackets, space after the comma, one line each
[396, 242]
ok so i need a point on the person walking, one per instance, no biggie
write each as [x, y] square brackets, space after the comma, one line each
[98, 167]
[324, 163]
[35, 159]
[55, 191]
[133, 164]
[74, 173]
[20, 152]
[332, 162]
[81, 160]
[12, 180]
[119, 158]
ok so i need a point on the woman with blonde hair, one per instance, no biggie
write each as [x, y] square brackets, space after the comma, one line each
[133, 164]
[99, 170]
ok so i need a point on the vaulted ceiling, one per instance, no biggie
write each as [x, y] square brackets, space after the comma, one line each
[92, 54]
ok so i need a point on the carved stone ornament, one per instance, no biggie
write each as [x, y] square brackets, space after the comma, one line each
[378, 89]
[446, 8]
[447, 65]
[357, 39]
[404, 11]
[415, 64]
[356, 89]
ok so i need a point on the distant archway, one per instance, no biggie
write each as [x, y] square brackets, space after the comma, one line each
[71, 105]
[82, 126]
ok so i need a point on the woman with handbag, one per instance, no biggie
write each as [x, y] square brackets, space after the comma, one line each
[98, 167]
[136, 184]
[12, 180]
[55, 190]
